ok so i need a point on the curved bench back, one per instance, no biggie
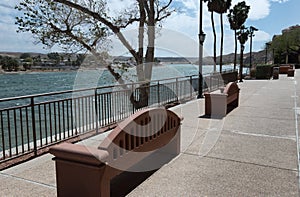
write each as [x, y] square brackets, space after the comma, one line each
[231, 88]
[144, 132]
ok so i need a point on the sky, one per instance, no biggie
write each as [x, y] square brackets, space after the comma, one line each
[179, 33]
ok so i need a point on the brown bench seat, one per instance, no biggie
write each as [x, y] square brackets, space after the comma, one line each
[284, 68]
[87, 171]
[218, 104]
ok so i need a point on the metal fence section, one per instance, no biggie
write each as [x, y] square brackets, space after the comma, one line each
[29, 123]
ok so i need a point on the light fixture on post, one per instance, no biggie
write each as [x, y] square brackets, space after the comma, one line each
[252, 29]
[267, 46]
[201, 41]
[241, 62]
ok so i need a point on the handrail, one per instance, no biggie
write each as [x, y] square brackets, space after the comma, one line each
[102, 87]
[38, 123]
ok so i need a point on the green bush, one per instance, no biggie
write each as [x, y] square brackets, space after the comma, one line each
[264, 71]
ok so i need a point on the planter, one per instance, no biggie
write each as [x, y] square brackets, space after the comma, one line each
[276, 73]
[291, 72]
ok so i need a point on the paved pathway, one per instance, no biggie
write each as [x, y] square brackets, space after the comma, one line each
[251, 152]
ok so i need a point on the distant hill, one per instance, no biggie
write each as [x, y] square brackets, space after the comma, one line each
[257, 58]
[18, 54]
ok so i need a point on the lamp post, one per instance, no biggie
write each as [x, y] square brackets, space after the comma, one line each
[241, 62]
[201, 41]
[252, 29]
[266, 58]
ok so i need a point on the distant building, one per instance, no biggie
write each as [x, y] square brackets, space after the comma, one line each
[290, 29]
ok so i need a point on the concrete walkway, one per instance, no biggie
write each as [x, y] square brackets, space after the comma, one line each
[250, 152]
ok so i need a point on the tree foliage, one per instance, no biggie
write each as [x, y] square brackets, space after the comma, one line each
[220, 7]
[237, 17]
[225, 7]
[242, 35]
[86, 24]
[9, 63]
[287, 46]
[25, 55]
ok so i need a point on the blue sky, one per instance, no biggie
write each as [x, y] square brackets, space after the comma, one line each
[178, 37]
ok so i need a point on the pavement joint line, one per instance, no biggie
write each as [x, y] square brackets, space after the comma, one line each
[263, 135]
[260, 117]
[297, 132]
[27, 180]
[254, 107]
[242, 162]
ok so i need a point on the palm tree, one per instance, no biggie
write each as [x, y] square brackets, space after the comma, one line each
[237, 17]
[220, 7]
[224, 6]
[212, 4]
[243, 35]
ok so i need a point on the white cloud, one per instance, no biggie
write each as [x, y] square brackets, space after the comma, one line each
[261, 36]
[179, 36]
[190, 4]
[280, 1]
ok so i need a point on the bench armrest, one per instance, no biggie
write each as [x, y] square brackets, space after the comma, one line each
[80, 154]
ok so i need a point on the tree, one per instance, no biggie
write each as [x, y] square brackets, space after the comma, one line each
[9, 64]
[79, 59]
[220, 7]
[225, 5]
[212, 4]
[24, 55]
[237, 17]
[55, 57]
[243, 35]
[27, 63]
[287, 45]
[86, 24]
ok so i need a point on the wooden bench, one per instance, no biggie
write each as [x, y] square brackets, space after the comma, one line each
[218, 104]
[87, 171]
[283, 68]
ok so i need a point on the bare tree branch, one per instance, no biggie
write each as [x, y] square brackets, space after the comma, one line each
[164, 8]
[96, 16]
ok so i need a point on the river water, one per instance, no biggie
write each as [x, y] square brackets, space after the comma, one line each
[28, 83]
[57, 118]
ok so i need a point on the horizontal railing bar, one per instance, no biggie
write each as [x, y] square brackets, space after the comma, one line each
[54, 118]
[83, 89]
[95, 88]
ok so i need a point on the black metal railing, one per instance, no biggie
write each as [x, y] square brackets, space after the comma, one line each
[29, 123]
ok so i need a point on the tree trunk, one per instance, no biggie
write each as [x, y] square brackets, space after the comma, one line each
[140, 98]
[215, 41]
[235, 50]
[222, 42]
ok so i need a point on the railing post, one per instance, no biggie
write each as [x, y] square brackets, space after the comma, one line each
[177, 92]
[210, 82]
[96, 111]
[132, 92]
[158, 95]
[191, 86]
[33, 126]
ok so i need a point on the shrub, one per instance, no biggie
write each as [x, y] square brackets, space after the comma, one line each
[264, 71]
